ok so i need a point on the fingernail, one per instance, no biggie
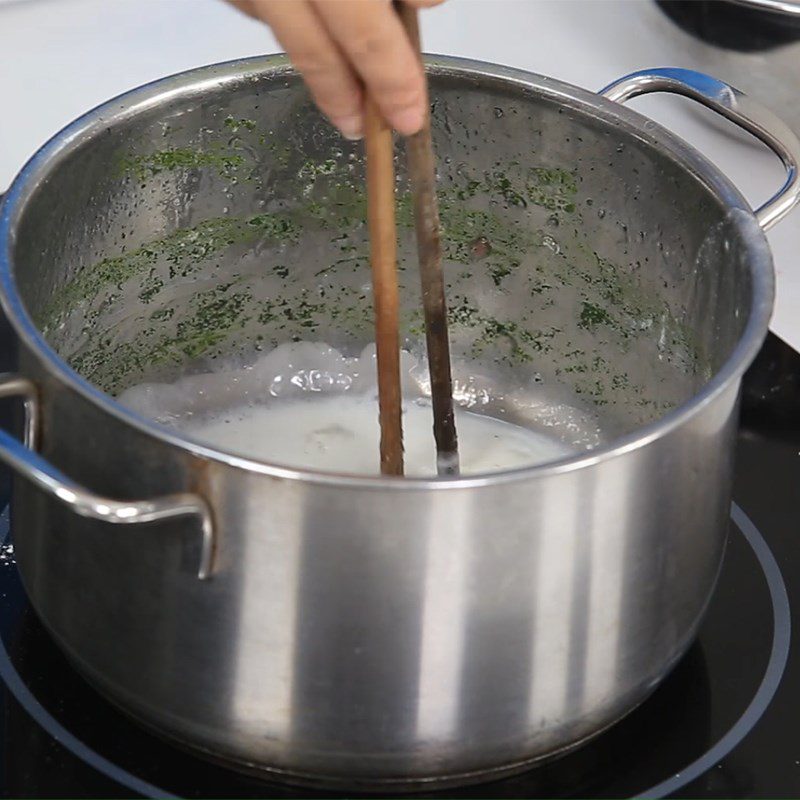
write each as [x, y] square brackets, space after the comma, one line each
[408, 120]
[350, 127]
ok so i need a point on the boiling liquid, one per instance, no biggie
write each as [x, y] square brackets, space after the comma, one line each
[306, 405]
[341, 434]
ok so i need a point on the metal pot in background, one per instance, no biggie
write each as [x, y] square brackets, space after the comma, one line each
[745, 26]
[786, 10]
[753, 44]
[370, 631]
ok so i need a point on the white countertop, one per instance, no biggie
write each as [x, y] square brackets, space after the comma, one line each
[58, 58]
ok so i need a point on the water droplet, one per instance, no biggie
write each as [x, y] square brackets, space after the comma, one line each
[7, 555]
[276, 387]
[551, 244]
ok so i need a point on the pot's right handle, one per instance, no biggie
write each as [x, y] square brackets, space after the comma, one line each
[735, 106]
[23, 459]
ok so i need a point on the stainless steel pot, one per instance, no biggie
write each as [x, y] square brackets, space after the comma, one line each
[789, 9]
[374, 631]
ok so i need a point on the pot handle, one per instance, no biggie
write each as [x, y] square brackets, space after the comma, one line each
[24, 460]
[735, 106]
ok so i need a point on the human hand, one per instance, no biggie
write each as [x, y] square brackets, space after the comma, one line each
[342, 47]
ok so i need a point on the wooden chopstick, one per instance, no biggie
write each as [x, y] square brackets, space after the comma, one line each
[383, 260]
[422, 171]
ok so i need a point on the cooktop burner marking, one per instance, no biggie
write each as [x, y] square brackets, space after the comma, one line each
[781, 616]
[65, 738]
[26, 699]
[781, 635]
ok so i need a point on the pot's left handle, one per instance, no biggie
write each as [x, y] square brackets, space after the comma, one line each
[735, 106]
[24, 460]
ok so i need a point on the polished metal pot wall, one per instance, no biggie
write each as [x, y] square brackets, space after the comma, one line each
[372, 631]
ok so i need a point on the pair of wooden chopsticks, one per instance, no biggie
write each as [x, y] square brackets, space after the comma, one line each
[383, 259]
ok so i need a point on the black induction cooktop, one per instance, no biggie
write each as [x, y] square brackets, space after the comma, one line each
[725, 722]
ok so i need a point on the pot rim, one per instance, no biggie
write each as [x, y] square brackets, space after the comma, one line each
[195, 81]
